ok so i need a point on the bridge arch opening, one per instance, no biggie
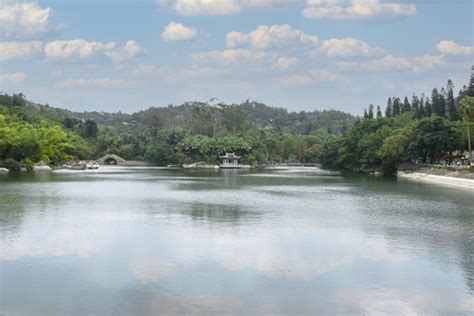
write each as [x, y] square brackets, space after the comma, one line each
[110, 161]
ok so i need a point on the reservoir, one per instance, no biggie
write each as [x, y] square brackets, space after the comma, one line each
[156, 241]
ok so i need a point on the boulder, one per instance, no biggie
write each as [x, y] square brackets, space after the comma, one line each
[200, 165]
[41, 166]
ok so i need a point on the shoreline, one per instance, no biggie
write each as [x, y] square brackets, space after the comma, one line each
[445, 180]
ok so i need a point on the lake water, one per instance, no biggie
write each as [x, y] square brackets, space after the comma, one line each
[150, 241]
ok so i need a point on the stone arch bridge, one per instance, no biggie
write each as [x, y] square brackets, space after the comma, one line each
[111, 160]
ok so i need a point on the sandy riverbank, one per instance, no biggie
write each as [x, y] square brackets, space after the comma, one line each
[452, 179]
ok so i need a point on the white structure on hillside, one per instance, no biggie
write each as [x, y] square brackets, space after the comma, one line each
[230, 160]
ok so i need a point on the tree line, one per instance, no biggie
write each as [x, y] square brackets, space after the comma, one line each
[442, 103]
[425, 130]
[193, 131]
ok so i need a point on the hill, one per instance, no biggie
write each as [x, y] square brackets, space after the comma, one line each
[175, 134]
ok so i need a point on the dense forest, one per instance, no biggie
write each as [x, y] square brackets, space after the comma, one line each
[417, 130]
[425, 130]
[193, 131]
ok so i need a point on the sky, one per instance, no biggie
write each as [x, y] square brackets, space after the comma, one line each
[309, 55]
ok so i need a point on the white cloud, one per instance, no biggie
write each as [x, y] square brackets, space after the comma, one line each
[295, 80]
[240, 58]
[77, 48]
[453, 48]
[146, 70]
[426, 62]
[82, 49]
[285, 62]
[230, 57]
[197, 72]
[91, 82]
[206, 7]
[264, 37]
[393, 63]
[178, 32]
[70, 50]
[348, 46]
[262, 49]
[235, 39]
[130, 50]
[24, 20]
[170, 74]
[18, 50]
[13, 77]
[324, 2]
[386, 63]
[356, 9]
[214, 7]
[312, 76]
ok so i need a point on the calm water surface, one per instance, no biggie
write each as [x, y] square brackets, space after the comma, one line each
[144, 241]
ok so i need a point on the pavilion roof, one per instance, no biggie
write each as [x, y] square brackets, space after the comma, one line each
[230, 156]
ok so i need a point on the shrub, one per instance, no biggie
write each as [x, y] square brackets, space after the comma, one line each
[10, 164]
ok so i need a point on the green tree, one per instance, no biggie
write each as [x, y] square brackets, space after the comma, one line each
[329, 156]
[388, 109]
[235, 119]
[233, 143]
[428, 108]
[358, 150]
[420, 113]
[379, 112]
[371, 111]
[394, 150]
[453, 114]
[366, 114]
[90, 129]
[396, 107]
[438, 103]
[18, 100]
[160, 154]
[198, 147]
[406, 107]
[467, 111]
[68, 123]
[415, 103]
[433, 139]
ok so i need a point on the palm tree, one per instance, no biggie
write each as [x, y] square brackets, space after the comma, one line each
[467, 108]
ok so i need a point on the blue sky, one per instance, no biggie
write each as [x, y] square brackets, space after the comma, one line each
[303, 55]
